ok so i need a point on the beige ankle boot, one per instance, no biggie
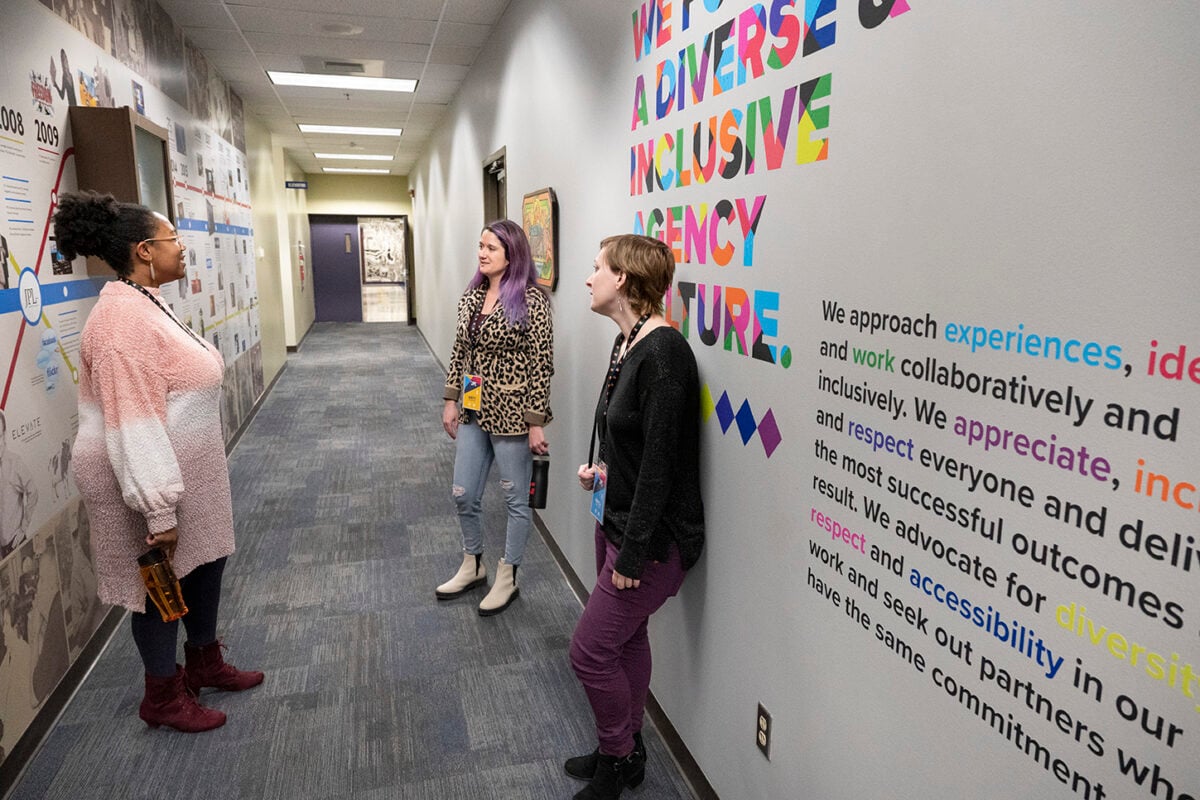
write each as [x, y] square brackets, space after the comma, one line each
[472, 573]
[504, 590]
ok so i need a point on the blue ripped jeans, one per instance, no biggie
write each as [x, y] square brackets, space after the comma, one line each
[476, 450]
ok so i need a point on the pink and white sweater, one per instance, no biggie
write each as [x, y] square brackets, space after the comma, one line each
[150, 454]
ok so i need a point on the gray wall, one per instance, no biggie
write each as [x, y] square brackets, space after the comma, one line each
[1025, 168]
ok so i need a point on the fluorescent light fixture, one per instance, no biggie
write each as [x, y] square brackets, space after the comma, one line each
[353, 157]
[359, 171]
[349, 129]
[342, 82]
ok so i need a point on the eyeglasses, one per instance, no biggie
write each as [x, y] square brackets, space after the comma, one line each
[174, 239]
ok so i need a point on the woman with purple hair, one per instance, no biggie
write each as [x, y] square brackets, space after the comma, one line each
[497, 401]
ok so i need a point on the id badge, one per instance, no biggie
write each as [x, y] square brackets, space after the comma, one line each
[599, 490]
[472, 392]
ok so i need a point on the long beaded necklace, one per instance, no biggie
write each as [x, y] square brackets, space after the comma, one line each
[618, 360]
[614, 372]
[163, 308]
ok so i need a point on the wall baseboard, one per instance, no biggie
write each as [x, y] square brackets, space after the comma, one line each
[295, 348]
[691, 771]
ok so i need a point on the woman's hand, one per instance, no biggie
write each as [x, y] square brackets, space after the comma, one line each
[621, 582]
[450, 419]
[167, 540]
[537, 441]
[587, 477]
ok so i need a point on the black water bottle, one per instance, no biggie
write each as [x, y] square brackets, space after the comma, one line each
[539, 482]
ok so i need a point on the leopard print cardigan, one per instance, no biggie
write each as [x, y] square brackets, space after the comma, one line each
[516, 364]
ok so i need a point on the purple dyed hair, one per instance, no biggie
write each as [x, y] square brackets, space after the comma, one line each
[520, 273]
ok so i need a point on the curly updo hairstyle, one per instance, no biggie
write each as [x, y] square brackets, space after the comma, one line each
[92, 224]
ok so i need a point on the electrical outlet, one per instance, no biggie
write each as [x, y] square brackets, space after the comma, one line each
[762, 734]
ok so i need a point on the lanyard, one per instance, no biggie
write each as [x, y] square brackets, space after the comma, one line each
[614, 372]
[163, 308]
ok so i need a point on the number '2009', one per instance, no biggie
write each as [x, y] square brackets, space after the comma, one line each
[12, 121]
[46, 133]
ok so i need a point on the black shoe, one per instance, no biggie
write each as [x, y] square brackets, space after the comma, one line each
[584, 767]
[612, 776]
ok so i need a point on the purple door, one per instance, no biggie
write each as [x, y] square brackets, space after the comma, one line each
[337, 288]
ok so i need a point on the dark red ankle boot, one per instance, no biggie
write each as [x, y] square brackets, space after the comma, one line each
[207, 667]
[168, 702]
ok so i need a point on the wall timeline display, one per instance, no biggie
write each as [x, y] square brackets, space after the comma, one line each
[47, 585]
[990, 368]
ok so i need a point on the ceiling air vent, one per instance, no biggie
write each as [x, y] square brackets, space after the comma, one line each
[368, 68]
[345, 67]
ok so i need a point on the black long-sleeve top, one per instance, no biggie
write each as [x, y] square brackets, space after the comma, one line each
[650, 441]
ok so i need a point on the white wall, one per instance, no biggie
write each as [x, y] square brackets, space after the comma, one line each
[268, 198]
[1027, 169]
[295, 261]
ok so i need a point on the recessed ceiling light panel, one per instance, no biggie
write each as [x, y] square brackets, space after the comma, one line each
[353, 157]
[354, 82]
[349, 130]
[358, 171]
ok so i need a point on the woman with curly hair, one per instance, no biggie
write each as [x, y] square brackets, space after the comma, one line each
[149, 459]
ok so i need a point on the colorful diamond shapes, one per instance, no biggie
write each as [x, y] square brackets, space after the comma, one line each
[768, 433]
[706, 403]
[745, 421]
[724, 412]
[767, 428]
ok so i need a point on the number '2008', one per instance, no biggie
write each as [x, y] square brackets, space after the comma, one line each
[12, 121]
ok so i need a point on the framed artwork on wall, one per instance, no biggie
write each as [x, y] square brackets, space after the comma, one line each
[539, 217]
[383, 249]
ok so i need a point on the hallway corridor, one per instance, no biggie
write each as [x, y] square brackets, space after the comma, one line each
[374, 690]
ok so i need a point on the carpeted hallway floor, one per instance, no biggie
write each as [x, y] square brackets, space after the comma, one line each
[374, 689]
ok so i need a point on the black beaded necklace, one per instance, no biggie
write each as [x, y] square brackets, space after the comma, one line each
[614, 372]
[164, 309]
[618, 359]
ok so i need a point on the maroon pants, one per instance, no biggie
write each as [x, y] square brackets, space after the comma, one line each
[610, 651]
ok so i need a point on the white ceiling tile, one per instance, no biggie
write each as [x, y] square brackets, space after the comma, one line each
[413, 9]
[286, 62]
[239, 76]
[381, 118]
[197, 13]
[335, 47]
[463, 33]
[310, 106]
[213, 40]
[483, 12]
[451, 54]
[423, 110]
[454, 72]
[308, 24]
[430, 87]
[229, 61]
